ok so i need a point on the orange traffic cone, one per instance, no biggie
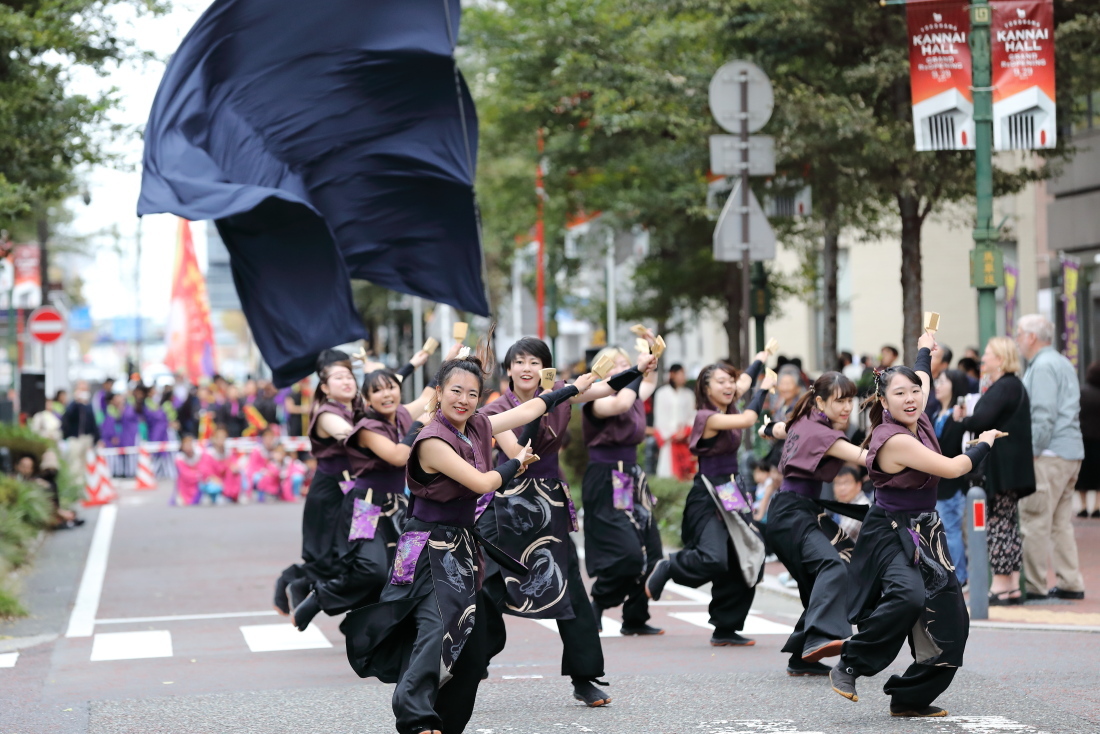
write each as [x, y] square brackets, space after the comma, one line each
[145, 477]
[98, 486]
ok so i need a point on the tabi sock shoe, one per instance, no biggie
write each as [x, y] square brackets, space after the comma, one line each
[585, 690]
[297, 590]
[655, 584]
[730, 639]
[830, 649]
[797, 667]
[843, 679]
[641, 630]
[282, 604]
[304, 613]
[924, 712]
[598, 611]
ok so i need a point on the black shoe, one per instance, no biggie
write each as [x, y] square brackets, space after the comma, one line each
[1032, 596]
[297, 591]
[730, 639]
[1083, 513]
[655, 584]
[1057, 593]
[1095, 514]
[641, 630]
[584, 690]
[797, 667]
[304, 613]
[843, 678]
[923, 712]
[1004, 599]
[599, 615]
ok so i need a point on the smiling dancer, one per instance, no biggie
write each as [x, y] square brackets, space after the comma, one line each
[335, 404]
[373, 510]
[799, 531]
[716, 512]
[904, 581]
[430, 632]
[621, 541]
[532, 517]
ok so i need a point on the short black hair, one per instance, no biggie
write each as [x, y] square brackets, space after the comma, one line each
[966, 364]
[946, 354]
[850, 471]
[761, 464]
[892, 349]
[677, 367]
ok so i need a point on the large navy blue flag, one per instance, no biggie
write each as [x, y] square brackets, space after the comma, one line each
[328, 140]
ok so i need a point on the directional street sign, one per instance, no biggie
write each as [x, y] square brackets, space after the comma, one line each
[46, 324]
[725, 155]
[727, 233]
[725, 96]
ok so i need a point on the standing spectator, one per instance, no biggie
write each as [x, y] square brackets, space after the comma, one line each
[79, 428]
[230, 413]
[120, 430]
[787, 392]
[1009, 474]
[950, 386]
[971, 353]
[1089, 479]
[851, 369]
[848, 488]
[673, 417]
[1046, 517]
[102, 398]
[973, 373]
[294, 408]
[887, 357]
[941, 360]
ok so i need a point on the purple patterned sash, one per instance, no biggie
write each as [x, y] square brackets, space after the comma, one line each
[409, 548]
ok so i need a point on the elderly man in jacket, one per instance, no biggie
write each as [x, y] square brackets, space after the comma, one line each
[1046, 516]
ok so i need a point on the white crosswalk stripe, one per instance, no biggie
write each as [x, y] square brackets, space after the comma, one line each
[7, 659]
[754, 625]
[278, 637]
[131, 645]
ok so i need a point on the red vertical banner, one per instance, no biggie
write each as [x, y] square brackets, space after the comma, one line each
[190, 334]
[940, 74]
[1022, 41]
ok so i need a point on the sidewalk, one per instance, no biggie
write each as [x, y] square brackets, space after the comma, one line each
[1052, 614]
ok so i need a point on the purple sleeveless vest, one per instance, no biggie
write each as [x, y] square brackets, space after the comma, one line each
[616, 438]
[547, 444]
[909, 490]
[720, 457]
[331, 454]
[379, 475]
[804, 464]
[444, 500]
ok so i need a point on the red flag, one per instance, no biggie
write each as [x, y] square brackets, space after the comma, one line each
[190, 336]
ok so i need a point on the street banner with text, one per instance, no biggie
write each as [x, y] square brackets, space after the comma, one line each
[1012, 279]
[940, 74]
[190, 336]
[1071, 317]
[1022, 48]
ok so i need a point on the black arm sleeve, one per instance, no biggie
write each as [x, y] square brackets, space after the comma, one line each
[756, 405]
[977, 454]
[755, 369]
[406, 370]
[989, 408]
[636, 386]
[556, 397]
[624, 378]
[924, 361]
[530, 431]
[769, 430]
[411, 435]
[507, 471]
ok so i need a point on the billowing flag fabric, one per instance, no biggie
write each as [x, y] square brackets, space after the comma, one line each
[328, 141]
[190, 335]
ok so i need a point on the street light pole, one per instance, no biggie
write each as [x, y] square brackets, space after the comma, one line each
[987, 269]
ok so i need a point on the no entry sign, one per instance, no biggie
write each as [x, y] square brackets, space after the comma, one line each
[46, 324]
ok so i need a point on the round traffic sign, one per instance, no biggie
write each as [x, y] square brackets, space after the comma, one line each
[46, 324]
[725, 96]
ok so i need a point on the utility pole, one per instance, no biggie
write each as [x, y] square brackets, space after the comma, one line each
[746, 258]
[986, 265]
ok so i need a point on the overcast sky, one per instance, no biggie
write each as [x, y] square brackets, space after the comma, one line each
[109, 278]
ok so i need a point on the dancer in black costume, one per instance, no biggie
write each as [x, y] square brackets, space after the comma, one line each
[430, 632]
[904, 584]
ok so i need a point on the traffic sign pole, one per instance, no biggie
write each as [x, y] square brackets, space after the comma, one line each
[746, 261]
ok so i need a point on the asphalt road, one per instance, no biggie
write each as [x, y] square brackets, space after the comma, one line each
[182, 639]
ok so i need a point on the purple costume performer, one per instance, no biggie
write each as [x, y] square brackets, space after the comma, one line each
[621, 541]
[430, 632]
[530, 520]
[903, 582]
[808, 542]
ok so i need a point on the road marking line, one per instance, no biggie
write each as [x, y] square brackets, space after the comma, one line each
[611, 627]
[688, 593]
[131, 645]
[277, 637]
[520, 677]
[751, 726]
[82, 620]
[754, 625]
[187, 617]
[989, 724]
[7, 660]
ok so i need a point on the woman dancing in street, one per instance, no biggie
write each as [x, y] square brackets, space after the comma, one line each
[904, 583]
[716, 513]
[810, 544]
[621, 541]
[430, 632]
[532, 517]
